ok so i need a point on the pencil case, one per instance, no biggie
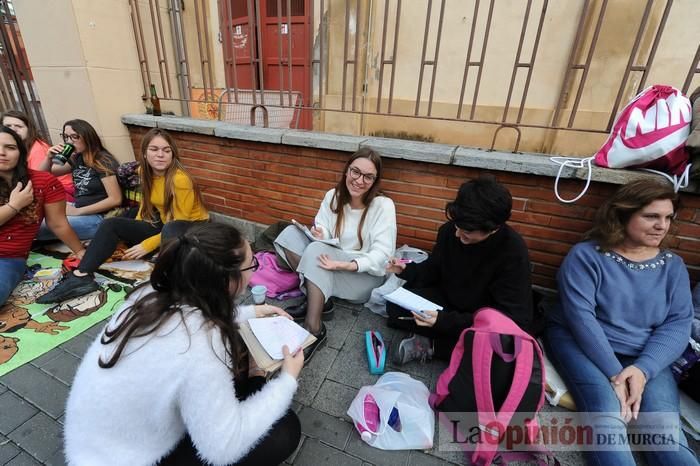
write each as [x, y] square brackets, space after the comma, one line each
[376, 352]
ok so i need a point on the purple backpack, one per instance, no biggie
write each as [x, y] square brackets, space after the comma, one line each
[496, 370]
[280, 283]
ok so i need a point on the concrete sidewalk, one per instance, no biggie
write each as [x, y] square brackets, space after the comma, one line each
[32, 400]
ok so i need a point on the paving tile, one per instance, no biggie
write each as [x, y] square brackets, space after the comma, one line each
[23, 459]
[78, 345]
[48, 357]
[334, 398]
[95, 330]
[14, 411]
[338, 329]
[456, 457]
[418, 458]
[39, 388]
[58, 459]
[8, 450]
[368, 320]
[324, 427]
[3, 388]
[375, 456]
[313, 374]
[40, 436]
[63, 367]
[350, 367]
[314, 453]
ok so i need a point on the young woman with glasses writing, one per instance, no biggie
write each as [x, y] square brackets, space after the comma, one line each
[171, 203]
[364, 223]
[168, 381]
[36, 147]
[94, 172]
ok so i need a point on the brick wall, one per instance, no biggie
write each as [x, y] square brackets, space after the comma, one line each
[264, 183]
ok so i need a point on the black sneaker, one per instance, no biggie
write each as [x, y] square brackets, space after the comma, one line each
[310, 350]
[298, 312]
[71, 286]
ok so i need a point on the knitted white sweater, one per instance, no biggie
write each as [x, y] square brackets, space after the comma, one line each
[161, 387]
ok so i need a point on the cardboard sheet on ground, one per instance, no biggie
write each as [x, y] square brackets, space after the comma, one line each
[28, 330]
[265, 337]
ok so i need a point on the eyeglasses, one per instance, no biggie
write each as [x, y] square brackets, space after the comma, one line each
[73, 137]
[254, 265]
[368, 178]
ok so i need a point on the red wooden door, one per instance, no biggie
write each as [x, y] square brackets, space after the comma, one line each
[285, 46]
[239, 44]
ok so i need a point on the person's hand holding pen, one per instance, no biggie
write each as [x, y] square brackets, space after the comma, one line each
[317, 232]
[395, 265]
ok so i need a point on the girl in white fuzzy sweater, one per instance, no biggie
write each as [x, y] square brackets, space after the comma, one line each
[167, 381]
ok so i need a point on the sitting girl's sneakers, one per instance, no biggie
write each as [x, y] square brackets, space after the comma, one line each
[298, 312]
[71, 286]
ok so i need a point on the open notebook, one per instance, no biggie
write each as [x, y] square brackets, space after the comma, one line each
[411, 301]
[265, 337]
[335, 242]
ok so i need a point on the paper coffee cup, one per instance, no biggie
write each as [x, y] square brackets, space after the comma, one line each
[259, 294]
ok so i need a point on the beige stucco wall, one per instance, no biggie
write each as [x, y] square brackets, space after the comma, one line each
[81, 65]
[622, 17]
[89, 67]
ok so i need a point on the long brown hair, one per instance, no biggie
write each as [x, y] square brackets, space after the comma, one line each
[95, 155]
[148, 211]
[609, 226]
[19, 174]
[32, 133]
[342, 197]
[198, 269]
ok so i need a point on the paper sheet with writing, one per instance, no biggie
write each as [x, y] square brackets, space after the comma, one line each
[411, 301]
[275, 332]
[335, 242]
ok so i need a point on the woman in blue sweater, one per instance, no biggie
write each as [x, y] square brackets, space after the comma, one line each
[624, 316]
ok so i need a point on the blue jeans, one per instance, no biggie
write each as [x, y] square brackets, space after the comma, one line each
[593, 393]
[11, 273]
[85, 226]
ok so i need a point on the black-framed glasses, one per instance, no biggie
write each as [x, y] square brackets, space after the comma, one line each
[368, 178]
[253, 266]
[73, 137]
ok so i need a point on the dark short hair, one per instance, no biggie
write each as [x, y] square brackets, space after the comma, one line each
[482, 204]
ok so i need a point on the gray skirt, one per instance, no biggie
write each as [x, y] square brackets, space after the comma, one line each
[353, 286]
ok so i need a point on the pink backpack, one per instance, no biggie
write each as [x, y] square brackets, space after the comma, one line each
[649, 133]
[279, 282]
[469, 383]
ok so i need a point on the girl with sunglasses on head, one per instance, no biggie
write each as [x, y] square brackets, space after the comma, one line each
[36, 147]
[94, 172]
[168, 380]
[26, 198]
[364, 222]
[171, 202]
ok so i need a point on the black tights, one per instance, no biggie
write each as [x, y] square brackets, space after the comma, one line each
[279, 443]
[131, 231]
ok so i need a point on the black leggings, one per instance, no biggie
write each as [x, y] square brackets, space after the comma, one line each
[277, 445]
[442, 344]
[131, 231]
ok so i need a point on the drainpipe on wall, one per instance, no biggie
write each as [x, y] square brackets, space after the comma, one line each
[365, 84]
[183, 77]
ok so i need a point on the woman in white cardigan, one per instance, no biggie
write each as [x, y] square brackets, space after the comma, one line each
[167, 382]
[363, 222]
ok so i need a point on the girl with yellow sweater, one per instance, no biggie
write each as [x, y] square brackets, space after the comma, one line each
[171, 203]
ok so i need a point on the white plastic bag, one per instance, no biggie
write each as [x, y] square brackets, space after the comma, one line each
[416, 418]
[377, 303]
